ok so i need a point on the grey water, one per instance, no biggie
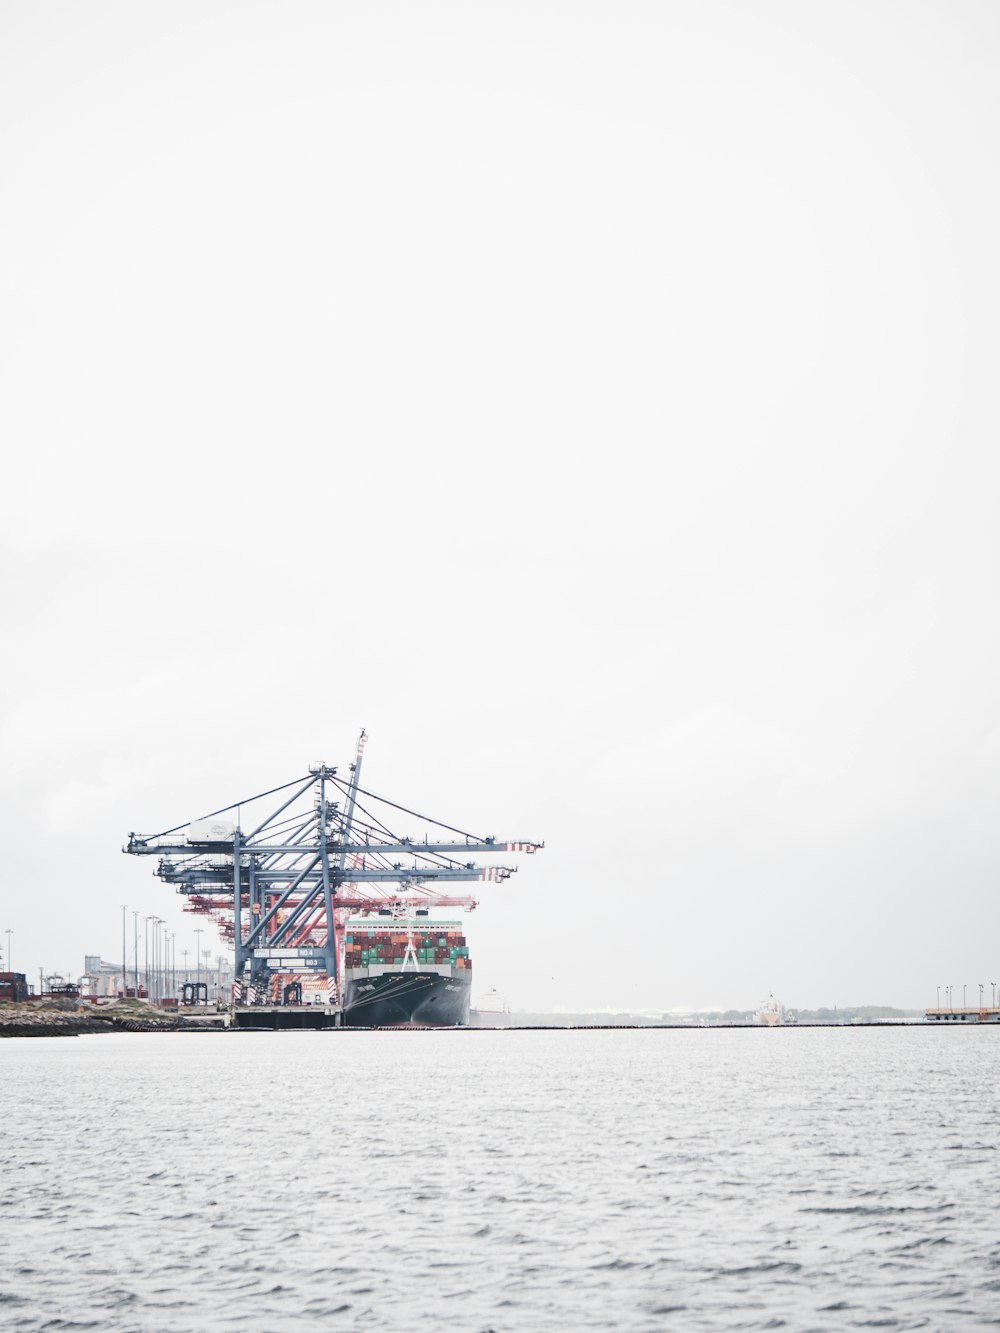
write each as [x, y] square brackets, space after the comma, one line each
[705, 1179]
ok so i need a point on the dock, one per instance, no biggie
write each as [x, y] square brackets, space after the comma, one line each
[963, 1015]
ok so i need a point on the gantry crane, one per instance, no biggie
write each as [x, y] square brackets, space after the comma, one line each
[282, 892]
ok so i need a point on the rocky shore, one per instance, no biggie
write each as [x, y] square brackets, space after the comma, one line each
[68, 1018]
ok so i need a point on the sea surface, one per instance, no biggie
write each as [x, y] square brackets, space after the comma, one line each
[704, 1179]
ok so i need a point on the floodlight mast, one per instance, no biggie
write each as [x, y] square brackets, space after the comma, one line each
[282, 893]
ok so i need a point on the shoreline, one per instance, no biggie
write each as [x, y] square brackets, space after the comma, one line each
[34, 1020]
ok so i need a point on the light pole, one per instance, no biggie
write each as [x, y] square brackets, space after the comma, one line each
[147, 921]
[981, 988]
[135, 955]
[10, 965]
[156, 959]
[963, 994]
[124, 967]
[184, 956]
[939, 997]
[160, 923]
[994, 985]
[197, 955]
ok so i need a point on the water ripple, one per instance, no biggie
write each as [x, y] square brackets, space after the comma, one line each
[513, 1182]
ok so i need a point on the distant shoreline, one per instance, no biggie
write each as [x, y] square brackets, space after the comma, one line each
[90, 1027]
[62, 1018]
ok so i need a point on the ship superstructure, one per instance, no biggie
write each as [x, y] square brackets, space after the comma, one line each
[323, 901]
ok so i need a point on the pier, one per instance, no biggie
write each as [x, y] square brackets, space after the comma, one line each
[963, 1015]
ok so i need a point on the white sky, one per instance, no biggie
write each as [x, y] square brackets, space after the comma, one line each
[595, 401]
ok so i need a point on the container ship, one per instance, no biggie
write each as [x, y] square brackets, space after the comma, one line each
[418, 976]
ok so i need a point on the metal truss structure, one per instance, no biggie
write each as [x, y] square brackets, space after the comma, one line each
[282, 892]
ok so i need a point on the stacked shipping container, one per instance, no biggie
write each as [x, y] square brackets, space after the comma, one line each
[385, 948]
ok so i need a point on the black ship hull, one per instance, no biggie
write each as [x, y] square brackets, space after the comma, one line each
[396, 999]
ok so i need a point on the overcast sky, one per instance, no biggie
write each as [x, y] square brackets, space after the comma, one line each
[596, 401]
